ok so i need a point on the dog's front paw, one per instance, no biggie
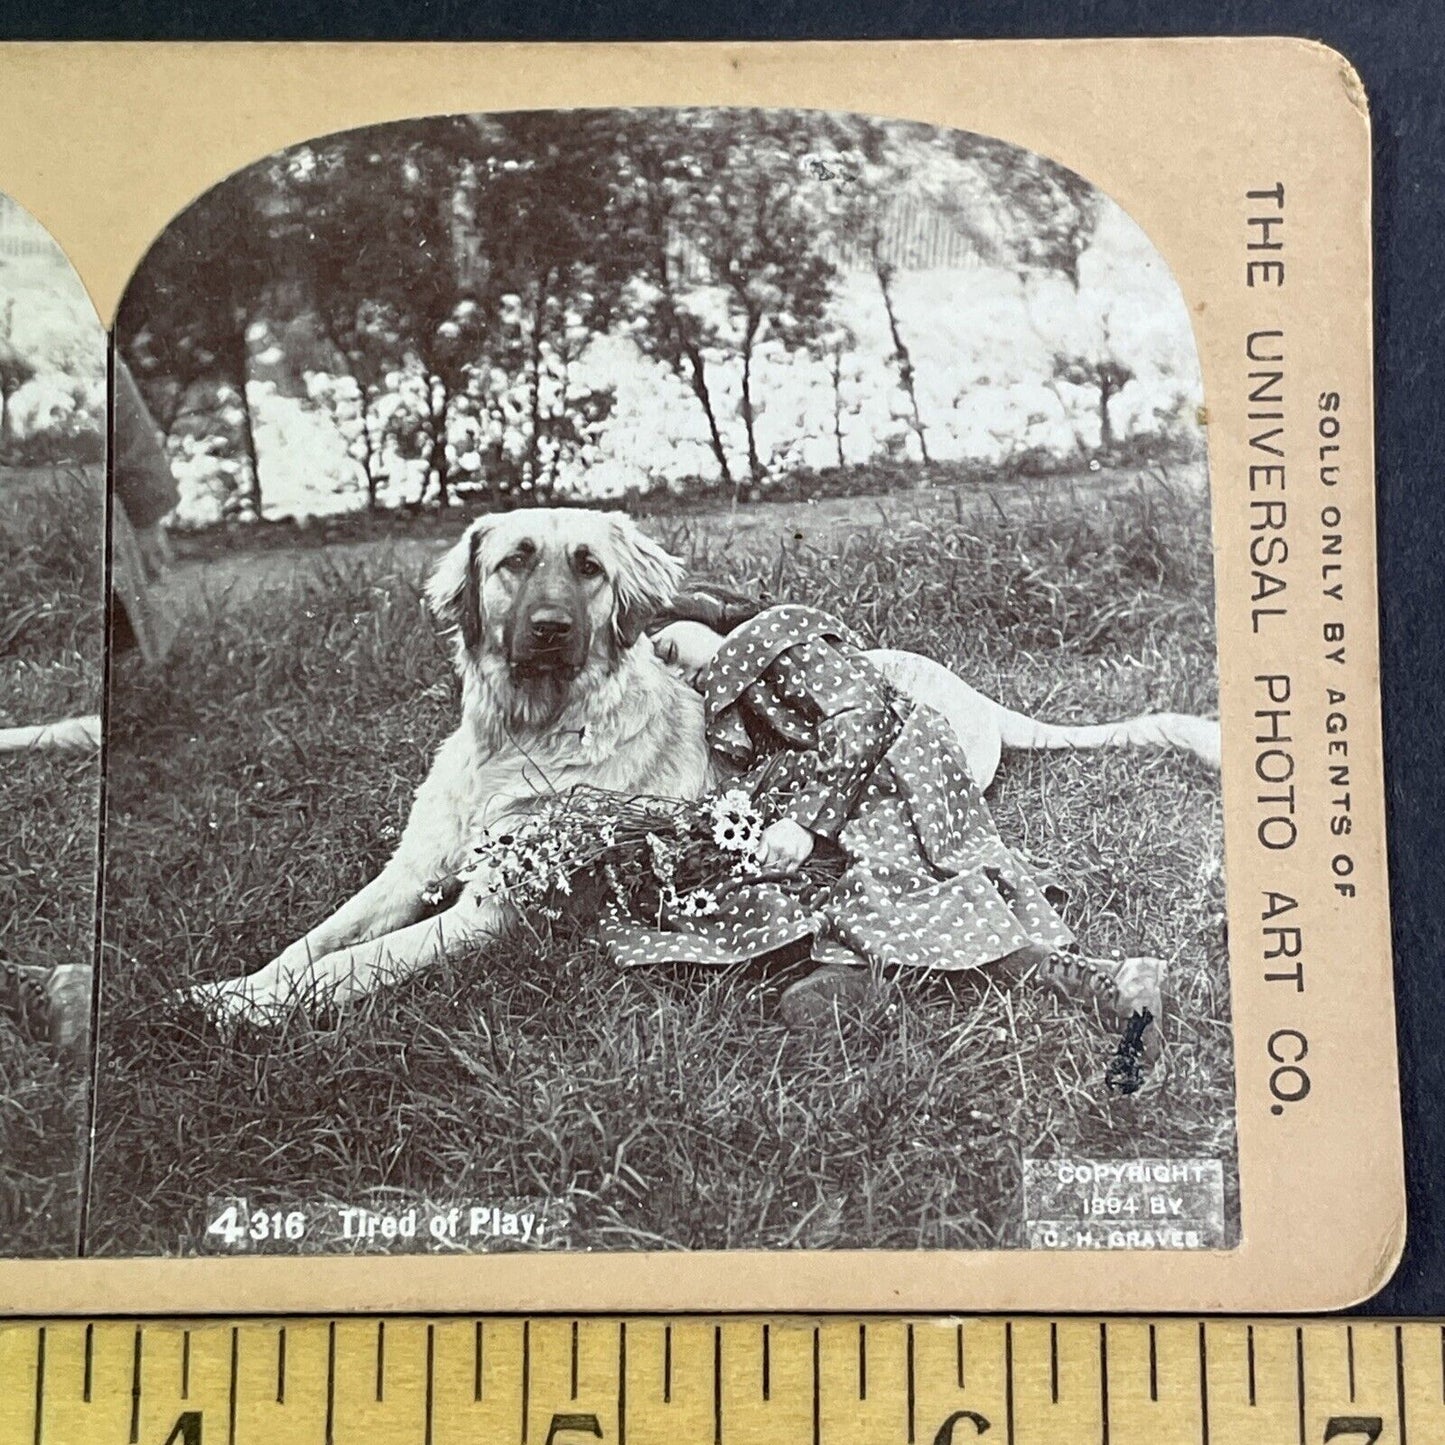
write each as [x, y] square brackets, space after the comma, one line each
[231, 1002]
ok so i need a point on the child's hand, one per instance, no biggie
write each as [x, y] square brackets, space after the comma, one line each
[786, 846]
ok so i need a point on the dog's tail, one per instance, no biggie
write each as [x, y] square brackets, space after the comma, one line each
[1197, 735]
[73, 735]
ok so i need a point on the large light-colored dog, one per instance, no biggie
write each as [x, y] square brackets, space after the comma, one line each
[560, 687]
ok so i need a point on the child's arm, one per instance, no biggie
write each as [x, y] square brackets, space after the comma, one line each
[849, 704]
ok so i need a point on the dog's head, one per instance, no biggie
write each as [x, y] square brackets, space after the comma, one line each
[541, 597]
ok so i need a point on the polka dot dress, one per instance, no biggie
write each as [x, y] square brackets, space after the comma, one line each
[822, 738]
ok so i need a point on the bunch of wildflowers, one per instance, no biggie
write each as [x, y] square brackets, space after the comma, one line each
[656, 858]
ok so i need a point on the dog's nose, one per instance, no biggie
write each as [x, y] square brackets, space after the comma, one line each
[550, 625]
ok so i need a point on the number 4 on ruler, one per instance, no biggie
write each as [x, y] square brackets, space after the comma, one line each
[186, 1430]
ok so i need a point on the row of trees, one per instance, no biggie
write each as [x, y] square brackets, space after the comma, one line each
[447, 275]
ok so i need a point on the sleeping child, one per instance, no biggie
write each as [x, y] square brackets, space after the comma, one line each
[836, 759]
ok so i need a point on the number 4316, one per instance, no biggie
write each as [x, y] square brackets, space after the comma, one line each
[233, 1226]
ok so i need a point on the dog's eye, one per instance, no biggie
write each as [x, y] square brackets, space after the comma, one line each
[515, 561]
[587, 565]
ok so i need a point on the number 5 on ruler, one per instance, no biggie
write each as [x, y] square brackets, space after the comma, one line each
[1369, 1426]
[563, 1423]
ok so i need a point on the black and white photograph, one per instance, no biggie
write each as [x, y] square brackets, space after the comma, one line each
[664, 698]
[52, 639]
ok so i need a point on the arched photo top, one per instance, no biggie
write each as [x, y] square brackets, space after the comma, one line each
[499, 309]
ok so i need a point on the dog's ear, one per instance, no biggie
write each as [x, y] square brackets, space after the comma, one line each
[647, 578]
[454, 590]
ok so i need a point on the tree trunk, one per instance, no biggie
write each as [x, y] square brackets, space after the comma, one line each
[755, 465]
[558, 419]
[240, 375]
[900, 353]
[437, 455]
[682, 347]
[837, 373]
[370, 459]
[698, 379]
[1106, 427]
[353, 358]
[531, 464]
[4, 419]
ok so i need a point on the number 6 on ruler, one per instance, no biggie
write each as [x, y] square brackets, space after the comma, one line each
[945, 1430]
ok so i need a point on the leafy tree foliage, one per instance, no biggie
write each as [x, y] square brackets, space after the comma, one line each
[726, 234]
[435, 283]
[185, 319]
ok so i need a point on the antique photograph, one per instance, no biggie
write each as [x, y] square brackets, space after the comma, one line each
[665, 698]
[52, 635]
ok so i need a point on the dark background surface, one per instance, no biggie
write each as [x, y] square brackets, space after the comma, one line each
[1399, 50]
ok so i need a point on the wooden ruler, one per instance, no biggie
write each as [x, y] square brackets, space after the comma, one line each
[739, 1380]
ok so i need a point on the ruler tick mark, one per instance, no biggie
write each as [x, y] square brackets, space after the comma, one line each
[1203, 1387]
[862, 1362]
[526, 1375]
[331, 1383]
[1299, 1379]
[1249, 1359]
[231, 1397]
[1054, 1362]
[380, 1361]
[477, 1364]
[667, 1365]
[1008, 1381]
[281, 1366]
[1350, 1357]
[717, 1402]
[574, 1361]
[90, 1351]
[817, 1391]
[1153, 1365]
[911, 1392]
[135, 1358]
[40, 1384]
[430, 1383]
[958, 1351]
[768, 1362]
[1400, 1385]
[622, 1382]
[1104, 1382]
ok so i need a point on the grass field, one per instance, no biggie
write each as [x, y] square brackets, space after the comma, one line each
[264, 776]
[50, 667]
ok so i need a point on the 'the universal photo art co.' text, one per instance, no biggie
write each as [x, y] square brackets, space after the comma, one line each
[1308, 554]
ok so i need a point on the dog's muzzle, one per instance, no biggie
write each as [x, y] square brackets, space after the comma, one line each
[549, 639]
